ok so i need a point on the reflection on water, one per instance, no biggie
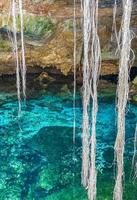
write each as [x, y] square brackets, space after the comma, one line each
[38, 158]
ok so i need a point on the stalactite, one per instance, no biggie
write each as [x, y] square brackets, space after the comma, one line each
[91, 70]
[122, 94]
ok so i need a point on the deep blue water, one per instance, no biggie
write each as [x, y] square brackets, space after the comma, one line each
[38, 160]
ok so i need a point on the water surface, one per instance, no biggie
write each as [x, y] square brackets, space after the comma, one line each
[38, 158]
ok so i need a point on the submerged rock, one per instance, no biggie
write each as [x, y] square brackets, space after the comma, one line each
[48, 178]
[60, 168]
[109, 156]
[44, 77]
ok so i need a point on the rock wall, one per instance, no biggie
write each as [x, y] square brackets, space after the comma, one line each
[49, 36]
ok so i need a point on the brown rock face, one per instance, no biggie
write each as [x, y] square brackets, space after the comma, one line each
[49, 37]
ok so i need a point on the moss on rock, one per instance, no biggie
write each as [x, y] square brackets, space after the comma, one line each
[37, 26]
[4, 45]
[135, 81]
[134, 99]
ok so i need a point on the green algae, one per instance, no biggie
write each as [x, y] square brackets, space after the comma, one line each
[37, 26]
[4, 45]
[134, 99]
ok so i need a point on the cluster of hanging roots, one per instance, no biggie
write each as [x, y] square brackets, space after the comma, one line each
[16, 12]
[124, 40]
[91, 70]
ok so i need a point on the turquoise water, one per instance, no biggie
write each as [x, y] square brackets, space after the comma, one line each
[38, 158]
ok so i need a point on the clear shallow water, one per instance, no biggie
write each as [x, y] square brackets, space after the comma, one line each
[38, 159]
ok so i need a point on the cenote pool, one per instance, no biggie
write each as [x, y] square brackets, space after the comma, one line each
[38, 160]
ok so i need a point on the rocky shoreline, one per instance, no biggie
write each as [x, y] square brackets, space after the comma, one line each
[49, 42]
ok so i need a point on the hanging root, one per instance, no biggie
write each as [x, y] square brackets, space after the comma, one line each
[122, 92]
[86, 92]
[16, 54]
[95, 71]
[85, 146]
[91, 68]
[74, 57]
[23, 65]
[20, 60]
